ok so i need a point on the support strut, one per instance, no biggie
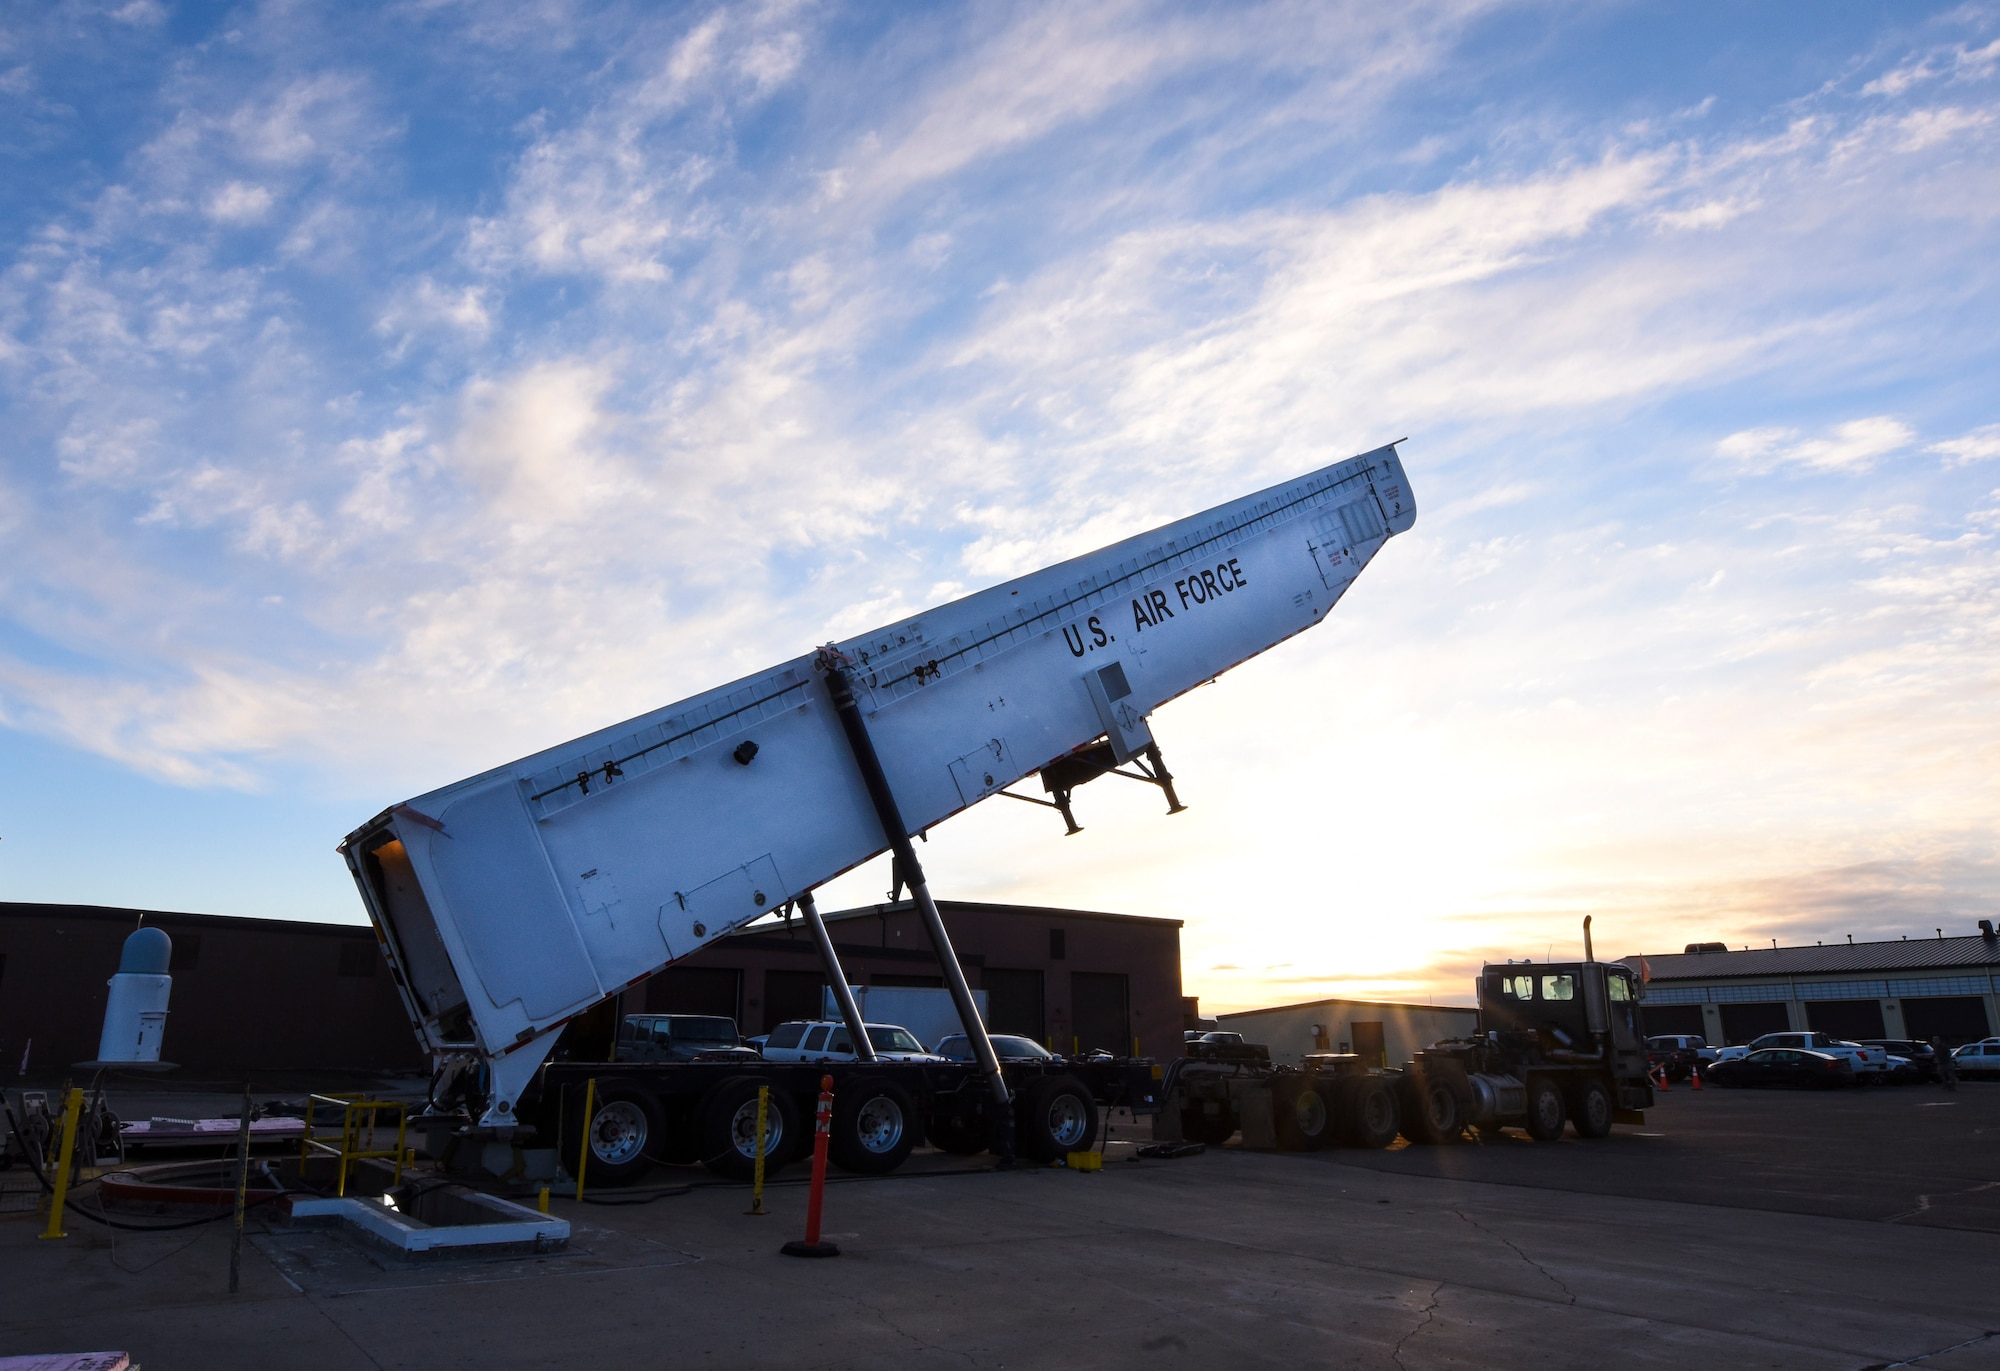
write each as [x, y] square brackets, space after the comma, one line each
[863, 747]
[843, 994]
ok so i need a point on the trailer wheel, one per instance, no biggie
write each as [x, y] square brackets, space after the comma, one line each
[1299, 1116]
[728, 1126]
[1545, 1109]
[959, 1134]
[1060, 1118]
[1367, 1112]
[874, 1126]
[624, 1135]
[1590, 1111]
[1202, 1127]
[1431, 1114]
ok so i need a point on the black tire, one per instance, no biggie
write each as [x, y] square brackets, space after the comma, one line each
[962, 1135]
[1431, 1113]
[1197, 1125]
[1300, 1116]
[874, 1127]
[625, 1134]
[1054, 1118]
[1590, 1110]
[1546, 1114]
[728, 1127]
[1367, 1112]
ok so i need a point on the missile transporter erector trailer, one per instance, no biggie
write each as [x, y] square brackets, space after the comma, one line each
[511, 904]
[1558, 1043]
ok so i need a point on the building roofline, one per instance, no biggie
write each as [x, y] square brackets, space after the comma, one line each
[96, 913]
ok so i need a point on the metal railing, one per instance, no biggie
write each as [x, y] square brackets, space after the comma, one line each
[360, 1128]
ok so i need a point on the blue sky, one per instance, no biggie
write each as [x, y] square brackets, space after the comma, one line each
[389, 391]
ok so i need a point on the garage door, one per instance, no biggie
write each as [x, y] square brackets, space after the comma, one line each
[716, 990]
[1742, 1023]
[1014, 1002]
[1954, 1018]
[791, 995]
[1846, 1018]
[1100, 1004]
[1672, 1018]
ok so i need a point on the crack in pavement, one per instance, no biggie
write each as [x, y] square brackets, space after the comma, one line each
[1428, 1312]
[1547, 1274]
[1934, 1352]
[902, 1332]
[1924, 1204]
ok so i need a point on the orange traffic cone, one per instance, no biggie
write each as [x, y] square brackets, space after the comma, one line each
[1695, 1077]
[1664, 1087]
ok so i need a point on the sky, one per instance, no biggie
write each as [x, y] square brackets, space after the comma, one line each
[390, 391]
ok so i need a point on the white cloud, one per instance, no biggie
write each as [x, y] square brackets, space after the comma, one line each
[1980, 445]
[1854, 446]
[488, 462]
[239, 203]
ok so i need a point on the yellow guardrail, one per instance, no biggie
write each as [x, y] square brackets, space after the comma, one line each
[360, 1128]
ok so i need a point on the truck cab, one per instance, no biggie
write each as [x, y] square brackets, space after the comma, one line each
[1557, 1010]
[1558, 1042]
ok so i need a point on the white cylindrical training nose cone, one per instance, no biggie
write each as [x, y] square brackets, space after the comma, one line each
[135, 1016]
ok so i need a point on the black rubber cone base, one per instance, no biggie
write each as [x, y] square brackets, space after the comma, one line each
[811, 1249]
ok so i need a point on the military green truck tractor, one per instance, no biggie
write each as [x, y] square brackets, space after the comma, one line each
[1558, 1042]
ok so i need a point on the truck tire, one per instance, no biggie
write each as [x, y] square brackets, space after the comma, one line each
[1590, 1110]
[625, 1135]
[962, 1135]
[1200, 1126]
[728, 1128]
[1366, 1112]
[1545, 1109]
[1058, 1116]
[874, 1126]
[1300, 1116]
[1431, 1113]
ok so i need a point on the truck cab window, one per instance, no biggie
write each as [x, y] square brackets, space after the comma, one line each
[1558, 987]
[1519, 987]
[1621, 989]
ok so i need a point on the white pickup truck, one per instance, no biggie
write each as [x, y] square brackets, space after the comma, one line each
[1865, 1060]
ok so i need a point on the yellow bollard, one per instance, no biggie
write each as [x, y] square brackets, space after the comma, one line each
[68, 1153]
[542, 1203]
[757, 1184]
[583, 1152]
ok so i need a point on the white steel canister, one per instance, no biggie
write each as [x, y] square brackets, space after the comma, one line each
[135, 1016]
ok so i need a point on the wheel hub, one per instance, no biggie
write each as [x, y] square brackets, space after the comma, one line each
[879, 1125]
[1066, 1121]
[618, 1133]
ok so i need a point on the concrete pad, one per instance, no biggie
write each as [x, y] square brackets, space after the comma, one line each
[1227, 1259]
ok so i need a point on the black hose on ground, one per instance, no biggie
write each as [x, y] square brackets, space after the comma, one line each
[69, 1202]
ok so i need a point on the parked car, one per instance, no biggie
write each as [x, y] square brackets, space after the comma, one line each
[1977, 1061]
[1921, 1057]
[1008, 1047]
[820, 1040]
[1681, 1054]
[678, 1038]
[1869, 1063]
[1783, 1066]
